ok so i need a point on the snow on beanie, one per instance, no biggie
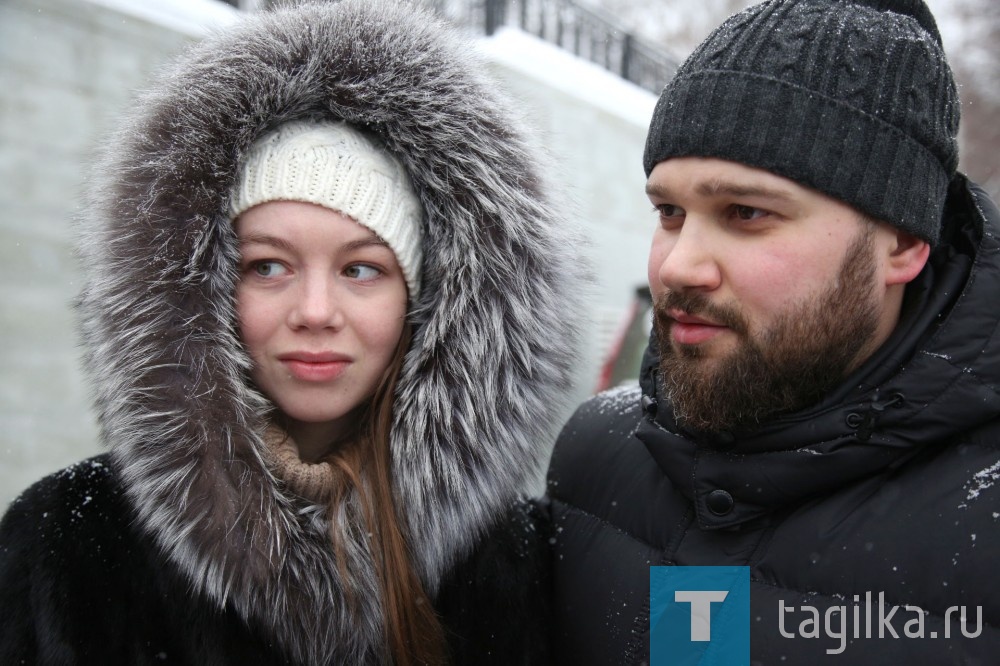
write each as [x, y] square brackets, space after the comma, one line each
[336, 166]
[853, 98]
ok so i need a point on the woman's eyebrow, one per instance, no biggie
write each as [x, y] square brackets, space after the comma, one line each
[282, 244]
[365, 242]
[264, 239]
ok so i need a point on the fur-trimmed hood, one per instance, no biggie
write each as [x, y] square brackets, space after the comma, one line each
[497, 320]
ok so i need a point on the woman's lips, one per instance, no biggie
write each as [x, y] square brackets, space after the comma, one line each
[315, 367]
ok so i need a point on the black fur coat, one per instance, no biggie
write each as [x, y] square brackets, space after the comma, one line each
[180, 545]
[81, 583]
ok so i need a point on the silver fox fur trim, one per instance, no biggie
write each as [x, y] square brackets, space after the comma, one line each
[498, 319]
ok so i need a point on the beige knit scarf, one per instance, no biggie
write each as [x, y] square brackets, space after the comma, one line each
[312, 481]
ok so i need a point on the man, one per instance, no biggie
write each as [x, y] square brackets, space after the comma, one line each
[819, 400]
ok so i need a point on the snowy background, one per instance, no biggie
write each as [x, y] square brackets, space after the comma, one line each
[67, 68]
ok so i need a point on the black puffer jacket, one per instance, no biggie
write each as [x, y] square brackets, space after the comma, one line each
[181, 546]
[886, 486]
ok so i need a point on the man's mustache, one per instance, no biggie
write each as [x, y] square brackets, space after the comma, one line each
[698, 305]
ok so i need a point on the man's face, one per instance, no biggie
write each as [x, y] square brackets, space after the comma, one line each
[767, 293]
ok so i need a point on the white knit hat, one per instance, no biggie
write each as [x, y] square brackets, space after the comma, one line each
[336, 166]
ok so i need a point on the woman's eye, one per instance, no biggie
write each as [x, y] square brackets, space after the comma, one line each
[748, 212]
[362, 272]
[267, 268]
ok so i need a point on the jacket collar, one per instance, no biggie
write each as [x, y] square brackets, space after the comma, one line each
[934, 377]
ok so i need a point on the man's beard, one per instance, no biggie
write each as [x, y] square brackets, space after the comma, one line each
[806, 352]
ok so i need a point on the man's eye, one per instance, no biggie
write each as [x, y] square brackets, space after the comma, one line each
[749, 212]
[362, 272]
[669, 210]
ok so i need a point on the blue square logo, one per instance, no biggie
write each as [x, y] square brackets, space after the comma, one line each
[699, 616]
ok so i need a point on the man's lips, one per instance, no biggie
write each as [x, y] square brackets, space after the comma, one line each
[687, 329]
[315, 366]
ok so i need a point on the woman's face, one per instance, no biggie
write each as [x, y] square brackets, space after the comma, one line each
[321, 304]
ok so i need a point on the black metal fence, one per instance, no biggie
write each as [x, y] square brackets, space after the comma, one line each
[584, 31]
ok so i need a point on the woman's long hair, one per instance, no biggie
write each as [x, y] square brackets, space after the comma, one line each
[413, 632]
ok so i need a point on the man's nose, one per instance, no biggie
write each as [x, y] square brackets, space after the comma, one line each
[689, 261]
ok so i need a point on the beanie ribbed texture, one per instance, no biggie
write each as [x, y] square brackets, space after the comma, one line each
[852, 98]
[336, 166]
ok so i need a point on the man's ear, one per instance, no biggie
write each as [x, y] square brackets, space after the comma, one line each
[906, 257]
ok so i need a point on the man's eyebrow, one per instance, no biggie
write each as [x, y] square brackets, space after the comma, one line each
[657, 190]
[737, 189]
[716, 188]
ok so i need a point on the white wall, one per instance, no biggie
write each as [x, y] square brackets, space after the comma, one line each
[67, 67]
[594, 125]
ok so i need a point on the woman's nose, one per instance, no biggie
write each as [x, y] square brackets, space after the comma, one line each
[317, 305]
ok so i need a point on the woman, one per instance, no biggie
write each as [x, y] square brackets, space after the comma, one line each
[328, 318]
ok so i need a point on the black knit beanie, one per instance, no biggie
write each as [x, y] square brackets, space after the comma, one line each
[853, 98]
